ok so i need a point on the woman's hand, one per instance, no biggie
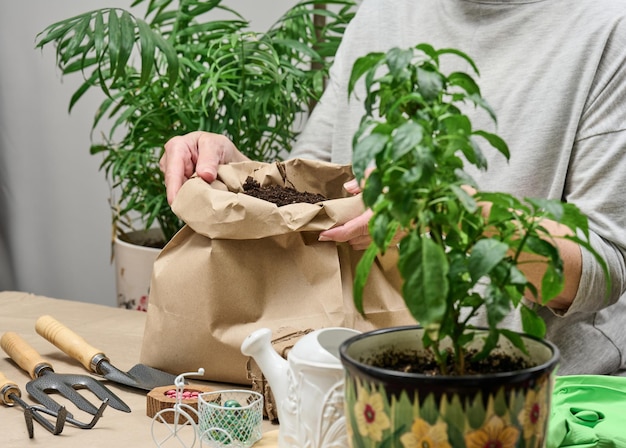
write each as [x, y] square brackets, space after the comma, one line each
[197, 152]
[355, 232]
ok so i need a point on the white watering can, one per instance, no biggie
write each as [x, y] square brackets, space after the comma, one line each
[307, 387]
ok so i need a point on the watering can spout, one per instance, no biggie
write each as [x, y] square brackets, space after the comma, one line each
[258, 345]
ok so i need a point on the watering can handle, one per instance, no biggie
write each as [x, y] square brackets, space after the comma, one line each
[67, 341]
[23, 354]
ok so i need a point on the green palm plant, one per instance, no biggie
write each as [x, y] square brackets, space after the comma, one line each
[178, 69]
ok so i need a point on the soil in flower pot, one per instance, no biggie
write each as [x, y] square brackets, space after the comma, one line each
[279, 195]
[147, 238]
[424, 363]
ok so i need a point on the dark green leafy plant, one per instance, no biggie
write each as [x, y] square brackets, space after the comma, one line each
[456, 254]
[178, 69]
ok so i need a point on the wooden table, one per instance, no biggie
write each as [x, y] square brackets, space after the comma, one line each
[118, 333]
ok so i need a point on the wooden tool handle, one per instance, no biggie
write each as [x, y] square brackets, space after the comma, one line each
[23, 354]
[8, 387]
[68, 341]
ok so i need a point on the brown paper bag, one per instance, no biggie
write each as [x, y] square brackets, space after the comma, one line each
[242, 263]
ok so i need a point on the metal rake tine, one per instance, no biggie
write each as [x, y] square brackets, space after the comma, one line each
[95, 418]
[60, 422]
[103, 393]
[71, 394]
[46, 403]
[10, 394]
[28, 416]
[71, 420]
[70, 386]
[32, 412]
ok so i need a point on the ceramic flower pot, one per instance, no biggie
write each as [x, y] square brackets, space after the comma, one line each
[133, 262]
[396, 409]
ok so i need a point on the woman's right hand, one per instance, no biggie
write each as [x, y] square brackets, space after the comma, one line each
[196, 152]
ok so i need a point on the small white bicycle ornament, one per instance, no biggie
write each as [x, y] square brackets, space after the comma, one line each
[176, 426]
[225, 418]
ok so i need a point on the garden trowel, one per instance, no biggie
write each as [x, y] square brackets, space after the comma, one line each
[94, 360]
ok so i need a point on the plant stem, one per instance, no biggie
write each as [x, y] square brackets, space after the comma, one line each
[441, 362]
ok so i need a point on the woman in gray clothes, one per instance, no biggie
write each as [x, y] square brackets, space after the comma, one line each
[554, 71]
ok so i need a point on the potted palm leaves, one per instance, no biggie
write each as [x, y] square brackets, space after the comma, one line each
[179, 66]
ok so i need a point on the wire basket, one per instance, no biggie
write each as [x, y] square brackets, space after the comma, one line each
[230, 418]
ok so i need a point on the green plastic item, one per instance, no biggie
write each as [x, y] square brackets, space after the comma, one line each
[588, 411]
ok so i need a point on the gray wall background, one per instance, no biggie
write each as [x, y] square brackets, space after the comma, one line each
[55, 233]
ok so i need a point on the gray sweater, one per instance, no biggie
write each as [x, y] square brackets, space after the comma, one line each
[554, 71]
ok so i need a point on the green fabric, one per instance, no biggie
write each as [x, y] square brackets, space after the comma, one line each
[588, 411]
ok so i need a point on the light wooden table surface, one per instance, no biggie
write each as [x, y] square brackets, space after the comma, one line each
[115, 331]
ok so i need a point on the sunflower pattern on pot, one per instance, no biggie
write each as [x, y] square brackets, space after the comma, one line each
[507, 418]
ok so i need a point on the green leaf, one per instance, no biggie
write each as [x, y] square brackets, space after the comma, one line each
[115, 36]
[379, 226]
[515, 338]
[461, 54]
[79, 93]
[541, 247]
[424, 267]
[398, 61]
[428, 50]
[362, 272]
[553, 207]
[516, 277]
[361, 66]
[468, 202]
[147, 47]
[464, 81]
[373, 188]
[457, 124]
[98, 34]
[170, 56]
[56, 31]
[80, 30]
[430, 83]
[503, 201]
[532, 324]
[552, 283]
[497, 303]
[574, 219]
[474, 155]
[485, 255]
[297, 46]
[405, 138]
[127, 38]
[496, 141]
[490, 342]
[365, 152]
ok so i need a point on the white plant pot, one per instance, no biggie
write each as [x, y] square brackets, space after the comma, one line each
[133, 269]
